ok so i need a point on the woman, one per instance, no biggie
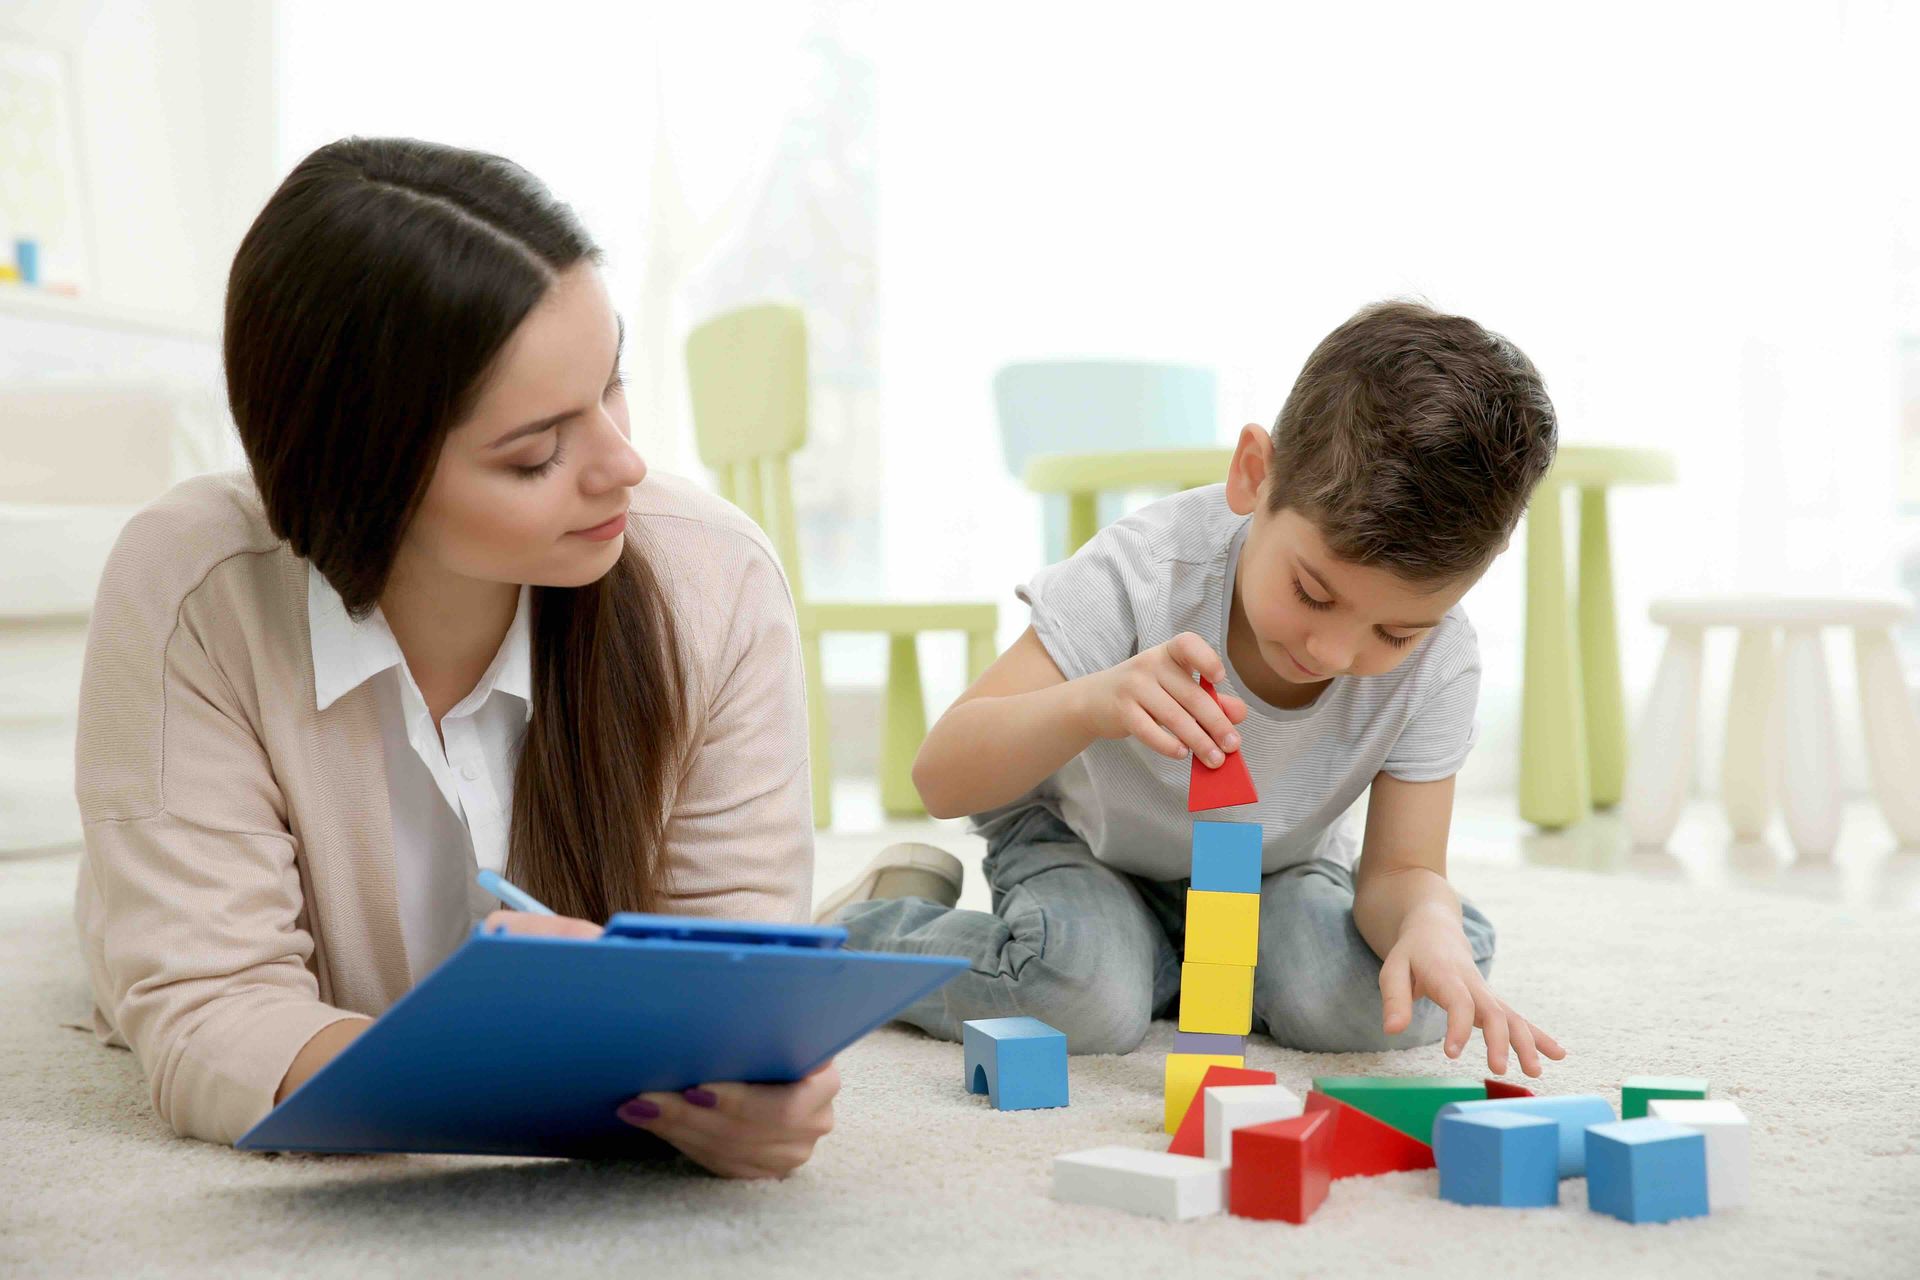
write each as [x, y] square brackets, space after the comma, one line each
[449, 620]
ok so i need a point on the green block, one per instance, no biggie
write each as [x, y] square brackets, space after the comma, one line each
[1639, 1090]
[1408, 1103]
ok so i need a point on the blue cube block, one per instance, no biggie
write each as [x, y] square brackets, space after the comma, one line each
[1574, 1112]
[1646, 1170]
[1019, 1063]
[1501, 1158]
[1226, 857]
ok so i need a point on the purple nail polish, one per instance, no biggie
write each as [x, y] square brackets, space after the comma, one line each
[701, 1097]
[639, 1110]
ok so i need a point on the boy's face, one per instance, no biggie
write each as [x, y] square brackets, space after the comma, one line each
[1313, 615]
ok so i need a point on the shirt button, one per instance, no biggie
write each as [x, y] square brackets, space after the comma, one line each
[468, 772]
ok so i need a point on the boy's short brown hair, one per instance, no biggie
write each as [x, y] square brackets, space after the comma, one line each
[1413, 440]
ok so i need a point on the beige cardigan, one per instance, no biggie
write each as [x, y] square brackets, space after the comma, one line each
[237, 889]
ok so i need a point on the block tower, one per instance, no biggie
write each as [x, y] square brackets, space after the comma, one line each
[1223, 933]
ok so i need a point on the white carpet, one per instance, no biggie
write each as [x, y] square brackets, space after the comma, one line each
[1803, 1013]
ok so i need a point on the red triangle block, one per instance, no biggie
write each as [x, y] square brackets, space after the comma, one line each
[1501, 1089]
[1190, 1139]
[1364, 1146]
[1220, 788]
[1282, 1169]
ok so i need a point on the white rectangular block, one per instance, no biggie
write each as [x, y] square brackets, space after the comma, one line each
[1148, 1182]
[1235, 1106]
[1728, 1148]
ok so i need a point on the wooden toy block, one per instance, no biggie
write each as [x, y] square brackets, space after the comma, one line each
[1364, 1146]
[1230, 1107]
[1220, 788]
[1639, 1090]
[1408, 1103]
[1280, 1169]
[1573, 1112]
[1019, 1063]
[1498, 1088]
[1184, 1072]
[1223, 928]
[1216, 998]
[1208, 1043]
[1646, 1170]
[1499, 1158]
[1190, 1138]
[1226, 856]
[1728, 1144]
[1146, 1182]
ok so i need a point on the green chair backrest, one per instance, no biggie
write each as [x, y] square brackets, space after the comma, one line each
[747, 371]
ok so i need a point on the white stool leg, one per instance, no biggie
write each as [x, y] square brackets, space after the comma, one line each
[1811, 770]
[1660, 766]
[1747, 768]
[1893, 736]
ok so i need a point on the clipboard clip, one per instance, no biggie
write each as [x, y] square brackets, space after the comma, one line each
[633, 926]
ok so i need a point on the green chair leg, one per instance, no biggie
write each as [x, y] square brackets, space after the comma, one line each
[980, 654]
[1083, 518]
[906, 729]
[1606, 706]
[819, 740]
[1553, 752]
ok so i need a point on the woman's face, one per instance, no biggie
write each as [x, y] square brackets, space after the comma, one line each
[533, 486]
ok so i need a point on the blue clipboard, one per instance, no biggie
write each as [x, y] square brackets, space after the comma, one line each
[521, 1045]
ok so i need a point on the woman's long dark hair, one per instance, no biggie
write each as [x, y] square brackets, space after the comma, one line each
[366, 306]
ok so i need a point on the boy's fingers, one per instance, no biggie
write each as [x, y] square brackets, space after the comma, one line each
[1148, 730]
[1548, 1045]
[1459, 1007]
[1194, 654]
[1396, 994]
[1212, 720]
[1168, 712]
[1522, 1033]
[1494, 1032]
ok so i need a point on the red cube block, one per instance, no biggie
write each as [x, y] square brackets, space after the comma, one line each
[1282, 1169]
[1498, 1088]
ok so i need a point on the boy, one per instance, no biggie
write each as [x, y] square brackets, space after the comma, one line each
[1318, 590]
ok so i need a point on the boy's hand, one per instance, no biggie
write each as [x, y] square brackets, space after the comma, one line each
[1152, 696]
[1432, 959]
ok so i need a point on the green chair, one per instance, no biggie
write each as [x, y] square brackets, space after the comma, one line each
[1573, 723]
[747, 370]
[1083, 477]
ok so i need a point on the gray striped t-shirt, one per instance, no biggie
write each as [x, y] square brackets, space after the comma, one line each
[1168, 568]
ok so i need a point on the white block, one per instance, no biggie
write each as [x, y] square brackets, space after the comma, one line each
[1235, 1106]
[1726, 1132]
[1149, 1182]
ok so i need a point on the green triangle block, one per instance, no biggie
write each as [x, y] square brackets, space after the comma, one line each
[1639, 1090]
[1408, 1103]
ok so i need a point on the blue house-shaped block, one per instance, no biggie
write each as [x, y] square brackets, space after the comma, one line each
[1019, 1063]
[1646, 1170]
[1499, 1158]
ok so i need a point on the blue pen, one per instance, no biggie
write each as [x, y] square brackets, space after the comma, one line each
[513, 898]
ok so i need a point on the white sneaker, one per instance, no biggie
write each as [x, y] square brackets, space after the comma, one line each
[899, 871]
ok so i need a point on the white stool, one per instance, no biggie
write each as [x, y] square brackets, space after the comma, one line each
[1781, 727]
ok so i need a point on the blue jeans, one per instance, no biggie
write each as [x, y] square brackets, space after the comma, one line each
[1095, 952]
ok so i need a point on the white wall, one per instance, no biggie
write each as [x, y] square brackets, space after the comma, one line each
[1684, 214]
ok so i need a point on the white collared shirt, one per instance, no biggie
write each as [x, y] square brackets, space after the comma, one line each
[451, 805]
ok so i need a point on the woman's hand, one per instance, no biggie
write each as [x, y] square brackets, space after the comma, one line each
[1433, 959]
[1152, 696]
[742, 1130]
[542, 926]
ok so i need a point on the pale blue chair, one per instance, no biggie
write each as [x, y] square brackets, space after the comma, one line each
[1099, 407]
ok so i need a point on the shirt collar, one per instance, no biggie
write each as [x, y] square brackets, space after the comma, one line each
[347, 654]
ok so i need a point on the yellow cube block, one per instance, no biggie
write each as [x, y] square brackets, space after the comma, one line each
[1216, 998]
[1184, 1073]
[1223, 928]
